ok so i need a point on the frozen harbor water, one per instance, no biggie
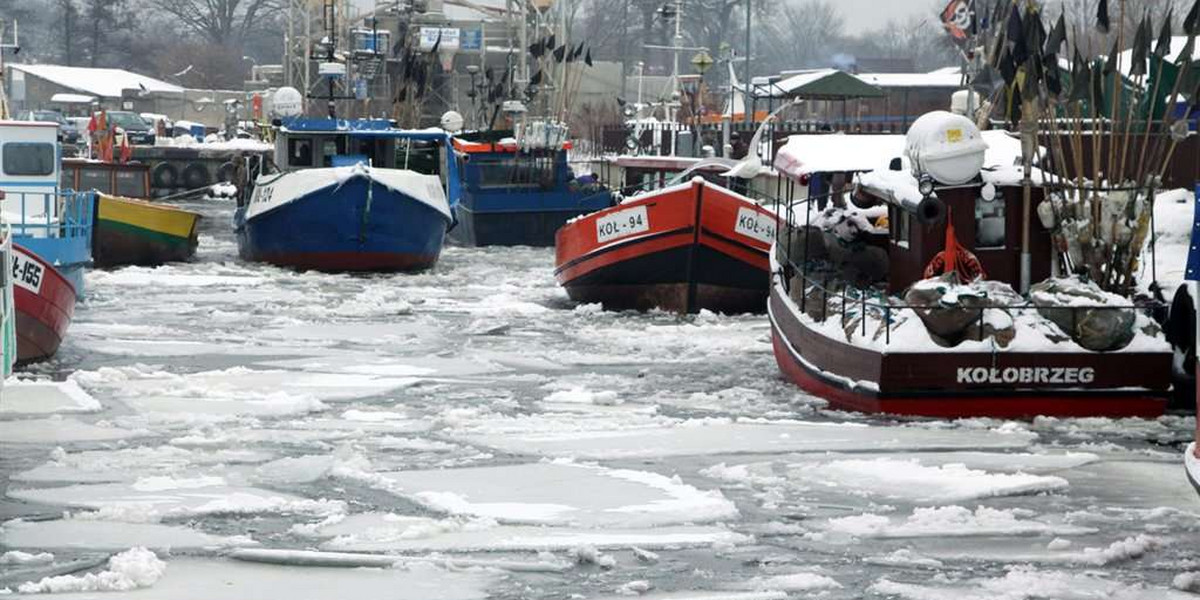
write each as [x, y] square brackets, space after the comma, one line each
[235, 431]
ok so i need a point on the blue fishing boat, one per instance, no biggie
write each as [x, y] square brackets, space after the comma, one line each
[519, 196]
[349, 195]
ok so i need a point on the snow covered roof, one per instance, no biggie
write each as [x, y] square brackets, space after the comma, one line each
[829, 153]
[941, 78]
[72, 98]
[106, 83]
[820, 84]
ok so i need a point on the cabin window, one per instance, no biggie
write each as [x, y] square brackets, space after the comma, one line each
[67, 179]
[422, 156]
[300, 152]
[990, 223]
[901, 227]
[95, 179]
[331, 147]
[29, 158]
[516, 172]
[131, 184]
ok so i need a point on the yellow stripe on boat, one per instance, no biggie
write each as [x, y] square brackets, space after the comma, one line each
[166, 220]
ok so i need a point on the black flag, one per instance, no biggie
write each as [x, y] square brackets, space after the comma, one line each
[437, 43]
[1080, 78]
[549, 42]
[536, 49]
[587, 57]
[1015, 34]
[1058, 35]
[1097, 72]
[1192, 20]
[576, 53]
[1102, 22]
[1141, 41]
[1110, 65]
[1163, 47]
[536, 79]
[560, 53]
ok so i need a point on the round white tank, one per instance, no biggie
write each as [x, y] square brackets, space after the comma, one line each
[287, 102]
[946, 147]
[965, 102]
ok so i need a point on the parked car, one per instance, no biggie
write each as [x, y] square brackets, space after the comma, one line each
[68, 134]
[140, 132]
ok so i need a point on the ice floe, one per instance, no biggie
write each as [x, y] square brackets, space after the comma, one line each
[83, 534]
[46, 397]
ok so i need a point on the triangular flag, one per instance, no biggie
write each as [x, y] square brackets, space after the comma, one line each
[1080, 78]
[549, 42]
[536, 49]
[1058, 35]
[536, 79]
[587, 58]
[1141, 41]
[1102, 22]
[1192, 20]
[1163, 47]
[560, 53]
[1110, 65]
[1015, 34]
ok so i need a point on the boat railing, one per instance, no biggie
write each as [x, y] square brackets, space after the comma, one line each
[867, 304]
[63, 214]
[852, 302]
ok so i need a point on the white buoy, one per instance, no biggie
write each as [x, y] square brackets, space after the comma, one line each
[946, 147]
[287, 102]
[452, 121]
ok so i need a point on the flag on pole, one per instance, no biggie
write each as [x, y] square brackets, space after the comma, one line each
[1102, 22]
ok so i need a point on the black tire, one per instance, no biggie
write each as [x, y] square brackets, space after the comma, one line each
[225, 172]
[164, 175]
[1180, 330]
[195, 176]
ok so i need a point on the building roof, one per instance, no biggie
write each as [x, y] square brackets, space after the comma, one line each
[819, 84]
[935, 79]
[106, 83]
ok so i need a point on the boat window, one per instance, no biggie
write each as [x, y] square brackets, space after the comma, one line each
[300, 152]
[989, 222]
[29, 158]
[422, 156]
[95, 179]
[67, 178]
[523, 172]
[901, 227]
[331, 147]
[131, 184]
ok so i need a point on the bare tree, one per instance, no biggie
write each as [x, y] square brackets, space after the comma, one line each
[803, 35]
[219, 21]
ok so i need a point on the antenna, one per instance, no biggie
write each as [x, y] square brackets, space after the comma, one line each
[15, 46]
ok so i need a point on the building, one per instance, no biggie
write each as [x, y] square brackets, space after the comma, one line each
[73, 89]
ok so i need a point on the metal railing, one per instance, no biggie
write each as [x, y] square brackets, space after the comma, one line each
[64, 214]
[852, 301]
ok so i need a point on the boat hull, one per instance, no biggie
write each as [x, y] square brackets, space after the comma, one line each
[355, 225]
[510, 228]
[45, 303]
[1121, 384]
[688, 248]
[135, 232]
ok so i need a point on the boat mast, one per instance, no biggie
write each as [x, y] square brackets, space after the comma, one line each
[15, 46]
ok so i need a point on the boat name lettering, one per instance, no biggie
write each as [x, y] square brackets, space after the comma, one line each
[264, 194]
[622, 223]
[26, 272]
[752, 223]
[1042, 375]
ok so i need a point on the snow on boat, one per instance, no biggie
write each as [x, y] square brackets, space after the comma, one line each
[683, 248]
[346, 199]
[904, 301]
[137, 232]
[513, 196]
[45, 303]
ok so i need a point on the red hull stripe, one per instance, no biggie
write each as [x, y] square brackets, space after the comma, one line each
[610, 255]
[42, 317]
[1014, 406]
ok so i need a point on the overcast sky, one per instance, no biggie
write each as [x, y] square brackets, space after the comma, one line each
[873, 14]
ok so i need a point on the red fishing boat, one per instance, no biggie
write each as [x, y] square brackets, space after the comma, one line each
[684, 248]
[45, 303]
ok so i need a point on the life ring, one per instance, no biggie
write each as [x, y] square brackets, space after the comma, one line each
[966, 265]
[195, 175]
[164, 175]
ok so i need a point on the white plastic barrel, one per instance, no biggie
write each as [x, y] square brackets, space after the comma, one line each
[946, 147]
[965, 102]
